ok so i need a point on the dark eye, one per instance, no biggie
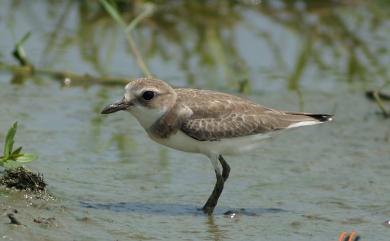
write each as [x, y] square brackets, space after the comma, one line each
[148, 95]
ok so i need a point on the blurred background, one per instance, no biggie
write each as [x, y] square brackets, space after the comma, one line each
[62, 61]
[271, 44]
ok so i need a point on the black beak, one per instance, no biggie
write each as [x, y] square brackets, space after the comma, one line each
[117, 106]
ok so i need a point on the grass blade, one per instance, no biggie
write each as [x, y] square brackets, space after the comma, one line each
[113, 12]
[149, 9]
[25, 37]
[19, 53]
[9, 140]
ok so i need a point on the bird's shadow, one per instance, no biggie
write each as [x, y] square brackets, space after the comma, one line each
[176, 209]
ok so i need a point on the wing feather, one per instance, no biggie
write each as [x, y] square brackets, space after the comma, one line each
[218, 116]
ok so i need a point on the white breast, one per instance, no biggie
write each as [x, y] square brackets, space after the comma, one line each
[146, 116]
[231, 146]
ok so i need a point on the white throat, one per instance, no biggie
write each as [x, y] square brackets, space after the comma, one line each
[147, 116]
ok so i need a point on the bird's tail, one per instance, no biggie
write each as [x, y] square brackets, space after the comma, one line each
[320, 117]
[305, 119]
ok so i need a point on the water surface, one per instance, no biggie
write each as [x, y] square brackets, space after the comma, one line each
[111, 182]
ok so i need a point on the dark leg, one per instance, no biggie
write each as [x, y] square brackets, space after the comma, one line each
[213, 199]
[218, 188]
[225, 168]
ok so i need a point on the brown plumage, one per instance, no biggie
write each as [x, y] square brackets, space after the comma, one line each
[215, 116]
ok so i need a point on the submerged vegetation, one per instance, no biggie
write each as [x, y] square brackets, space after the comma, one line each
[203, 41]
[127, 28]
[379, 96]
[200, 38]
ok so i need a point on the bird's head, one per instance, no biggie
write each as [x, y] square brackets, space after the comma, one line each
[147, 99]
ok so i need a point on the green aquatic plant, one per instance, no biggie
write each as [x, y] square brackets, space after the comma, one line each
[110, 7]
[19, 53]
[378, 96]
[14, 158]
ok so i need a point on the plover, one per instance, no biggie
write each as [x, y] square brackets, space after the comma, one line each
[207, 122]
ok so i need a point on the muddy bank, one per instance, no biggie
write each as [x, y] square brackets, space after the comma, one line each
[28, 190]
[23, 179]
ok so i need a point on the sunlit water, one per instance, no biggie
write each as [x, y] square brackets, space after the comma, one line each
[112, 183]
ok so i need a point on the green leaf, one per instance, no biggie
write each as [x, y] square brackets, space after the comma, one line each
[19, 52]
[2, 160]
[25, 37]
[16, 151]
[110, 8]
[11, 164]
[25, 158]
[9, 140]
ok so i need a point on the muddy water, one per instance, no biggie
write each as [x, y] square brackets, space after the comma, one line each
[110, 182]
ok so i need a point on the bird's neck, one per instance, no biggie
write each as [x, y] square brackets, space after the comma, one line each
[171, 122]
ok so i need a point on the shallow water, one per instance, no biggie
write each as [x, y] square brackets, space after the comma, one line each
[110, 182]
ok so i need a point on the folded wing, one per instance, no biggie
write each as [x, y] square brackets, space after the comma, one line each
[219, 116]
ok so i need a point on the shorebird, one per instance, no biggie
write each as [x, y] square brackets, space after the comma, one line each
[207, 122]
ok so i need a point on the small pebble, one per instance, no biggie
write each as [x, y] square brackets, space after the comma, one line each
[231, 214]
[13, 219]
[47, 221]
[387, 223]
[67, 81]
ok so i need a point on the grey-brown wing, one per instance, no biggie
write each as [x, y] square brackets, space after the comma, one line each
[218, 116]
[228, 126]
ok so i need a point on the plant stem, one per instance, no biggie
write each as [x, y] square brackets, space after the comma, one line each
[148, 10]
[137, 55]
[378, 99]
[127, 30]
[62, 76]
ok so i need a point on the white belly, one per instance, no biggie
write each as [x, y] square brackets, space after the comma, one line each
[231, 146]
